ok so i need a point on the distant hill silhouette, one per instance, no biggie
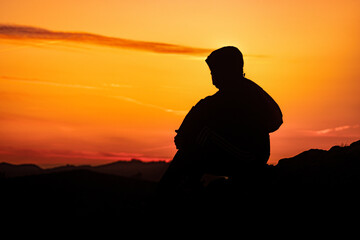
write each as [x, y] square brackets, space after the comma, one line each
[10, 170]
[311, 181]
[345, 157]
[150, 171]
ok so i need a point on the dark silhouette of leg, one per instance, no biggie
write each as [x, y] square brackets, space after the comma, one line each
[183, 174]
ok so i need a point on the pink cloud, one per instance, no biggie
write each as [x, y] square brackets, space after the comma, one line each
[74, 154]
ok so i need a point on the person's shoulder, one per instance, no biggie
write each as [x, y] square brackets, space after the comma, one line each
[208, 98]
[250, 83]
[253, 86]
[205, 101]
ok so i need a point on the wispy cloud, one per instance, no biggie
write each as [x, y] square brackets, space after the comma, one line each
[57, 84]
[123, 98]
[127, 99]
[49, 83]
[328, 131]
[70, 154]
[74, 154]
[20, 32]
[114, 85]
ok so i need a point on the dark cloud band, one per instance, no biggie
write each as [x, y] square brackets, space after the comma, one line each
[19, 32]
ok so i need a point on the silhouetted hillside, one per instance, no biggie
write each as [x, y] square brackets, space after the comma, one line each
[321, 178]
[346, 157]
[10, 170]
[149, 171]
[326, 180]
[337, 166]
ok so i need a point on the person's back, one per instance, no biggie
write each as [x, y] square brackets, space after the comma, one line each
[233, 124]
[229, 131]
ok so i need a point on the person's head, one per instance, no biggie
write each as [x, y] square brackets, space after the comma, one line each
[226, 65]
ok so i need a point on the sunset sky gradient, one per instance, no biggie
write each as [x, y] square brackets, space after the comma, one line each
[95, 81]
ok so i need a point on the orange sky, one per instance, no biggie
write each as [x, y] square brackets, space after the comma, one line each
[113, 79]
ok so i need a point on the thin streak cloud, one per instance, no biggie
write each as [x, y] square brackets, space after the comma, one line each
[55, 84]
[336, 129]
[127, 99]
[36, 81]
[330, 131]
[20, 32]
[71, 154]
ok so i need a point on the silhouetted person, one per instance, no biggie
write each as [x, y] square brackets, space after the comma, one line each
[225, 134]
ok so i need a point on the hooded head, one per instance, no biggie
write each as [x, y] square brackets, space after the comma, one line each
[226, 65]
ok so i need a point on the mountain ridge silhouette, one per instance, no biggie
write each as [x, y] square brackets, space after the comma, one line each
[152, 171]
[135, 168]
[311, 181]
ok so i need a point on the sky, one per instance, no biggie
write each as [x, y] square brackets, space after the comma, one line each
[96, 81]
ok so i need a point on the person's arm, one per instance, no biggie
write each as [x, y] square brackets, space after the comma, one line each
[190, 127]
[274, 117]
